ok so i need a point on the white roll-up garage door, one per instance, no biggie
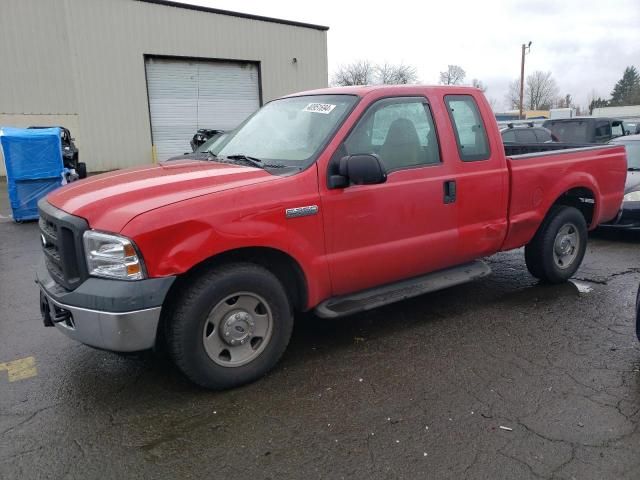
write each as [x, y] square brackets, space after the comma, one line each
[185, 95]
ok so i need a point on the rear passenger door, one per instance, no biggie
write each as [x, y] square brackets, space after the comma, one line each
[481, 175]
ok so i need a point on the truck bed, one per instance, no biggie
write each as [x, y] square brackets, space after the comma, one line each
[513, 149]
[540, 179]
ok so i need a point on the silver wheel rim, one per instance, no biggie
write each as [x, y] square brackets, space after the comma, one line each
[566, 246]
[237, 329]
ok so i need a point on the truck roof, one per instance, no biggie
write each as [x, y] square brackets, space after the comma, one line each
[362, 90]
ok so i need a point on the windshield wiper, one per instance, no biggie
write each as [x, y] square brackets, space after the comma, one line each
[633, 169]
[256, 162]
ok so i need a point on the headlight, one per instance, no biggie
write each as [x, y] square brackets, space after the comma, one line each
[112, 256]
[632, 197]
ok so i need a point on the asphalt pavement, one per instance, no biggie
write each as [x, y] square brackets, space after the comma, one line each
[502, 378]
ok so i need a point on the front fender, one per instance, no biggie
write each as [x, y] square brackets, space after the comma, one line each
[177, 237]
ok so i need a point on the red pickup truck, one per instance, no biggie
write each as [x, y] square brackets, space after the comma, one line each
[335, 200]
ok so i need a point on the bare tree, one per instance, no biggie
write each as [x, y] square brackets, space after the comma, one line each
[493, 102]
[359, 72]
[478, 84]
[541, 91]
[388, 74]
[513, 94]
[453, 76]
[565, 102]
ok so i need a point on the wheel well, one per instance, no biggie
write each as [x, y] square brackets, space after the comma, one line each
[282, 265]
[581, 198]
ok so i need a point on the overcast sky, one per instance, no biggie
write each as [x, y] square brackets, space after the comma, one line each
[586, 44]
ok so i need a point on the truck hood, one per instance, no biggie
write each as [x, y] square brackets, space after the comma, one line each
[109, 201]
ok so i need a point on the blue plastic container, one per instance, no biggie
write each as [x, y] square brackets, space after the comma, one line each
[33, 159]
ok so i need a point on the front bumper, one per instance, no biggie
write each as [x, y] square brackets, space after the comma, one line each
[112, 315]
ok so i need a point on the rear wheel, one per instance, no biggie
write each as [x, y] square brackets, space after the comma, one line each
[558, 247]
[229, 326]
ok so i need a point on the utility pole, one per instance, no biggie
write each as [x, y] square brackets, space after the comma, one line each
[525, 48]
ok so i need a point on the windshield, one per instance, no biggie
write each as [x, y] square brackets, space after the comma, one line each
[290, 131]
[633, 152]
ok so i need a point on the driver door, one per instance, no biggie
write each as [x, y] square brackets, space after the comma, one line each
[382, 233]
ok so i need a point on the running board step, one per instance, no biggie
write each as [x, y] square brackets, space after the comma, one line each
[394, 292]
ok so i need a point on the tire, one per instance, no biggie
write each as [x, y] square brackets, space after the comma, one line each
[558, 247]
[82, 170]
[215, 329]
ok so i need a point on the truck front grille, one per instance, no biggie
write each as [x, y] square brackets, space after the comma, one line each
[61, 237]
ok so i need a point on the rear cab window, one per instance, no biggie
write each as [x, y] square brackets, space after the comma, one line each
[469, 128]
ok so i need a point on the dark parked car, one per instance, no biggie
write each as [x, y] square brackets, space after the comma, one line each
[204, 151]
[69, 151]
[581, 130]
[527, 133]
[629, 216]
[202, 135]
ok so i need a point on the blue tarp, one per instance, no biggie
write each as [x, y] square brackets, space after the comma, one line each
[33, 159]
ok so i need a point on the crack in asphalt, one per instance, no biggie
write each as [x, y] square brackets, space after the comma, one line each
[609, 277]
[30, 417]
[522, 462]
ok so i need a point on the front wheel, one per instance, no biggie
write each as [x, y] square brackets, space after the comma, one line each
[229, 326]
[558, 247]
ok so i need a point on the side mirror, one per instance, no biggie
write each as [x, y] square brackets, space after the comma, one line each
[358, 170]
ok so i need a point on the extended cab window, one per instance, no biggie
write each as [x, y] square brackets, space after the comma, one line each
[468, 127]
[399, 130]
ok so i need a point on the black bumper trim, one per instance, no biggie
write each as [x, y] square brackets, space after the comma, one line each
[108, 295]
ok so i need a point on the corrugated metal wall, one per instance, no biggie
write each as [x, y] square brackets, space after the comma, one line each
[86, 58]
[185, 95]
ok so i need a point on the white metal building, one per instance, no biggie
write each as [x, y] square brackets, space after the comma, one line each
[629, 111]
[127, 75]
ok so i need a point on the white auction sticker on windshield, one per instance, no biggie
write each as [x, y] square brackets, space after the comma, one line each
[319, 108]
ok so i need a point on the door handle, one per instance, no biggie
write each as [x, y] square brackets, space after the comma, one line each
[449, 191]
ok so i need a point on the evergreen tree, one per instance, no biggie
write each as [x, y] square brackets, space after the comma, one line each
[627, 90]
[597, 103]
